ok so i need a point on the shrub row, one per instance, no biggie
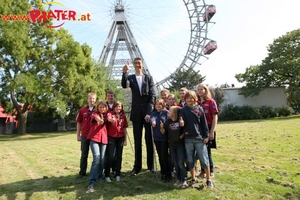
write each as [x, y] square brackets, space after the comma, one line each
[232, 112]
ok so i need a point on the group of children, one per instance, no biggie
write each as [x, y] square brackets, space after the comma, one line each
[186, 131]
[182, 131]
[107, 135]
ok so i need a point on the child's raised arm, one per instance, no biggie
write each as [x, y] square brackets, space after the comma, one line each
[99, 119]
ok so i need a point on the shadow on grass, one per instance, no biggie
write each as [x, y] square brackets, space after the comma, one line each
[145, 183]
[32, 136]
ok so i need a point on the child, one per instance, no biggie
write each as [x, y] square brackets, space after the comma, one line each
[116, 139]
[164, 93]
[182, 93]
[211, 114]
[98, 140]
[171, 101]
[195, 129]
[158, 116]
[176, 144]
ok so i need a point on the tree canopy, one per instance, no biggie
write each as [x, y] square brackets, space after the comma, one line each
[185, 78]
[43, 69]
[280, 68]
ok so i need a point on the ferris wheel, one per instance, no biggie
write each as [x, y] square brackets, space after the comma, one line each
[200, 46]
[171, 35]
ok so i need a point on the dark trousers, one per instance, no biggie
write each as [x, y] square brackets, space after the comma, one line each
[211, 163]
[114, 151]
[178, 157]
[162, 151]
[137, 134]
[113, 164]
[85, 146]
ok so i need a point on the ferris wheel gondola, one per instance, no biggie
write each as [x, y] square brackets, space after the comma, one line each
[200, 15]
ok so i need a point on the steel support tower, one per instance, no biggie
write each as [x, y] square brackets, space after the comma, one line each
[120, 45]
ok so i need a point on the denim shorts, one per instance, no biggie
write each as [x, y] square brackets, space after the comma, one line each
[196, 145]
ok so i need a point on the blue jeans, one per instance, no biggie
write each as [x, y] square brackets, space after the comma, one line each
[211, 163]
[85, 146]
[178, 156]
[196, 145]
[114, 150]
[98, 150]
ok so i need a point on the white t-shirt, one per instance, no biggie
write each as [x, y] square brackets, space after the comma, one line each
[139, 80]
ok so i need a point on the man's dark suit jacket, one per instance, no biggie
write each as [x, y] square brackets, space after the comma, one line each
[141, 104]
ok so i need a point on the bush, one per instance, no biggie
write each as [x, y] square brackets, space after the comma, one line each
[284, 111]
[246, 112]
[267, 112]
[228, 112]
[231, 112]
[249, 112]
[296, 111]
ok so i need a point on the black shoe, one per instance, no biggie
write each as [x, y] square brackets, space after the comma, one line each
[153, 171]
[133, 173]
[167, 179]
[81, 175]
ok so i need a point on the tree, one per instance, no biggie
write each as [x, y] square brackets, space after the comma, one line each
[218, 95]
[293, 96]
[97, 81]
[185, 78]
[280, 68]
[42, 69]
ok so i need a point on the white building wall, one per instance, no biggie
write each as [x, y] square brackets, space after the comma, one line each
[272, 96]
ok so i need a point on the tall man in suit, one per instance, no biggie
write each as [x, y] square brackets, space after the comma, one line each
[143, 97]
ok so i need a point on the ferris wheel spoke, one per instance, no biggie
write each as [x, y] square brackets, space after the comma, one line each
[171, 35]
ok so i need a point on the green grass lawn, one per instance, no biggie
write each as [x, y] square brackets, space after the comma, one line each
[257, 159]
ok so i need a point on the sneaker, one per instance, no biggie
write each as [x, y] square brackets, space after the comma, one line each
[107, 179]
[202, 174]
[209, 184]
[184, 185]
[177, 183]
[91, 188]
[133, 173]
[172, 174]
[193, 181]
[212, 175]
[118, 178]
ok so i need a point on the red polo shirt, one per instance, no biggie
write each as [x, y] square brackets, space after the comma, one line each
[180, 104]
[210, 107]
[117, 129]
[84, 117]
[98, 132]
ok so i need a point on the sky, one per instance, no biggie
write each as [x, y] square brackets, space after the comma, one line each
[243, 30]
